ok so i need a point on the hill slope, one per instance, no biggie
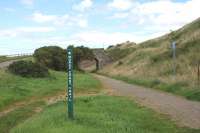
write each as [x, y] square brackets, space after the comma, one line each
[150, 63]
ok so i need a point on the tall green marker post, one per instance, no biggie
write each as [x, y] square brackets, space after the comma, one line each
[70, 82]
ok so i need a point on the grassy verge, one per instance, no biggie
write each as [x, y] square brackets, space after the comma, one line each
[99, 114]
[15, 88]
[17, 116]
[176, 88]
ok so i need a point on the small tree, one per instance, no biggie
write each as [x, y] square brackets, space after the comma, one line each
[52, 56]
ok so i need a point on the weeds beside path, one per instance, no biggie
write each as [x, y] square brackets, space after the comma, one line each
[184, 112]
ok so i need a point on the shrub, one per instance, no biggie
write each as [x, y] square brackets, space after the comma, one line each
[28, 69]
[52, 57]
[55, 57]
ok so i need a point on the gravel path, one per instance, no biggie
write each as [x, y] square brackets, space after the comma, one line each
[6, 63]
[184, 112]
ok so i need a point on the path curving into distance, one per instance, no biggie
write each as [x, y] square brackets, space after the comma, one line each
[6, 63]
[184, 112]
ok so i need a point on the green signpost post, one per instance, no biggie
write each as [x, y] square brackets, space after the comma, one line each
[70, 82]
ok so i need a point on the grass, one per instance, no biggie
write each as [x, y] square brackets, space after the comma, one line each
[15, 88]
[17, 116]
[99, 114]
[117, 53]
[176, 88]
[151, 63]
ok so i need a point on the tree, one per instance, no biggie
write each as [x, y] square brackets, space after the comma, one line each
[52, 57]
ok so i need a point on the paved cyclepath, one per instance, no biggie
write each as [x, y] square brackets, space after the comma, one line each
[182, 111]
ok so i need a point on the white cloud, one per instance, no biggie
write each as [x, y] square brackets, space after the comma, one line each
[98, 37]
[27, 2]
[35, 29]
[41, 18]
[120, 4]
[24, 30]
[63, 20]
[120, 15]
[161, 14]
[83, 5]
[83, 23]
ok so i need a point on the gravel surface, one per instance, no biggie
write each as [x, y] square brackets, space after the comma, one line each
[6, 63]
[184, 112]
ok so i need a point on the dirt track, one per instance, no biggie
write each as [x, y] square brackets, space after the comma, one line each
[6, 63]
[184, 112]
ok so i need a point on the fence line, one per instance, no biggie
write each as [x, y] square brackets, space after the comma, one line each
[18, 55]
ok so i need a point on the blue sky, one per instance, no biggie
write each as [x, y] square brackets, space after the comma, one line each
[29, 24]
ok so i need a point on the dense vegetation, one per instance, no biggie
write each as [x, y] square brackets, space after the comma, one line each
[99, 114]
[28, 69]
[54, 57]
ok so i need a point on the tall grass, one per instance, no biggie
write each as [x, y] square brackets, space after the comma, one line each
[152, 60]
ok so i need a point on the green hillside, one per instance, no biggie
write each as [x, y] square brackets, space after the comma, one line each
[150, 63]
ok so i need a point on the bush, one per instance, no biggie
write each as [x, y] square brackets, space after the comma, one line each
[52, 57]
[28, 69]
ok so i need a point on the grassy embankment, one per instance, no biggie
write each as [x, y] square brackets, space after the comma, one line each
[150, 63]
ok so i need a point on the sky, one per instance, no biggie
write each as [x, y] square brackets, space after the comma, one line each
[29, 24]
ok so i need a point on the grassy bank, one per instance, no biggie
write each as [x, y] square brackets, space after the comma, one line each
[99, 114]
[17, 116]
[151, 63]
[175, 88]
[15, 88]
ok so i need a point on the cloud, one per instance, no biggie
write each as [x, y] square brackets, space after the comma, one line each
[41, 18]
[27, 2]
[120, 15]
[62, 20]
[161, 14]
[83, 5]
[98, 37]
[24, 30]
[83, 23]
[120, 4]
